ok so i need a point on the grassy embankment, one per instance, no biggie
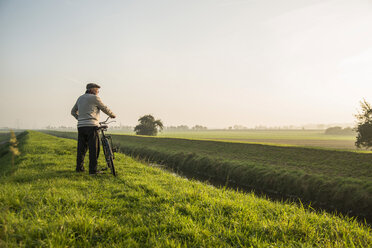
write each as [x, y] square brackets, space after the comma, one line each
[337, 180]
[43, 202]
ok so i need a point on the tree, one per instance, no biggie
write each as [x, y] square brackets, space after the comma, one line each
[148, 126]
[364, 125]
[199, 128]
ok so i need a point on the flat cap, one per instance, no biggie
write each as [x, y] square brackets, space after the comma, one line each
[92, 85]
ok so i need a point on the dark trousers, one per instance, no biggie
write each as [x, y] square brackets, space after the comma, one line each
[88, 137]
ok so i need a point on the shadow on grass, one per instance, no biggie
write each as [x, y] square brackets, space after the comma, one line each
[47, 175]
[43, 175]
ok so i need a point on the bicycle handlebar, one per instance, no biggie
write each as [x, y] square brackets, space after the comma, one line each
[105, 122]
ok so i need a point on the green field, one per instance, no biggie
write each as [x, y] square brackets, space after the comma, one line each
[304, 138]
[4, 136]
[312, 138]
[338, 180]
[44, 202]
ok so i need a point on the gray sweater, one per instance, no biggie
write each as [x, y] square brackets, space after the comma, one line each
[86, 110]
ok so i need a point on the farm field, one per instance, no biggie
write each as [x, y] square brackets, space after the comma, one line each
[4, 136]
[312, 138]
[340, 180]
[304, 138]
[45, 203]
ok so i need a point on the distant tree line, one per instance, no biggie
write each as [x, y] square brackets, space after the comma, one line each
[238, 127]
[339, 131]
[49, 127]
[185, 128]
[199, 128]
[363, 129]
[177, 128]
[122, 128]
[113, 128]
[6, 129]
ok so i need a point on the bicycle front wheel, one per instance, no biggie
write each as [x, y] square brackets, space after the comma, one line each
[108, 155]
[112, 167]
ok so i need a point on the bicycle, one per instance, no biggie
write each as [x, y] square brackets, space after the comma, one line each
[108, 148]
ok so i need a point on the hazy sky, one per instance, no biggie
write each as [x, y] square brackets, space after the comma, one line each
[210, 62]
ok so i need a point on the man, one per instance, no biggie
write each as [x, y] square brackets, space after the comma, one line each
[86, 110]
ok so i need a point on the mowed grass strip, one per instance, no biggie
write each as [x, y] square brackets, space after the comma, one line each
[43, 202]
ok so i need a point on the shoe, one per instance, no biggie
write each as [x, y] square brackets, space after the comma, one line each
[80, 170]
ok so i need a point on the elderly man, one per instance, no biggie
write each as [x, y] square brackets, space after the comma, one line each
[86, 110]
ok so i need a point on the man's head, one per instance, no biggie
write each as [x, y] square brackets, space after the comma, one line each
[93, 88]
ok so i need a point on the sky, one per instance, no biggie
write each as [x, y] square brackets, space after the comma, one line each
[216, 63]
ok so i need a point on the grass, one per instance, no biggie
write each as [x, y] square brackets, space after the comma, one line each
[258, 134]
[311, 138]
[43, 202]
[4, 136]
[303, 138]
[337, 180]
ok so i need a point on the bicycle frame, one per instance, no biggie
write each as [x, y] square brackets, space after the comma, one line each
[108, 138]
